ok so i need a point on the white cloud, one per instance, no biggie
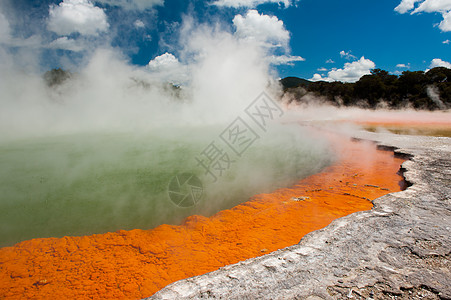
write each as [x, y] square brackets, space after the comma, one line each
[445, 25]
[285, 59]
[164, 62]
[406, 5]
[267, 31]
[4, 29]
[168, 68]
[80, 16]
[133, 4]
[322, 69]
[437, 62]
[65, 43]
[318, 77]
[446, 42]
[403, 66]
[351, 72]
[262, 28]
[35, 41]
[139, 24]
[434, 6]
[429, 6]
[248, 3]
[31, 42]
[330, 61]
[347, 55]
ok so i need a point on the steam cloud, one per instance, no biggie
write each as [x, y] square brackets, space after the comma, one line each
[220, 69]
[114, 134]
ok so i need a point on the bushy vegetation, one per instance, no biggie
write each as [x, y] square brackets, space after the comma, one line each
[56, 77]
[418, 89]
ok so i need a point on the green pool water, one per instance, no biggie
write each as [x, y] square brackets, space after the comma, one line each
[87, 183]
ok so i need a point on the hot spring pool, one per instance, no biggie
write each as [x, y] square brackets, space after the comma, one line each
[87, 183]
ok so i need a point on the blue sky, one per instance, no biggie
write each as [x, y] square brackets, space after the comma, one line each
[336, 40]
[364, 28]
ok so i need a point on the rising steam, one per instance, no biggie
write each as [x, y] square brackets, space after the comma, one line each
[96, 152]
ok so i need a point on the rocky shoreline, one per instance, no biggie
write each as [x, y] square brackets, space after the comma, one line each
[400, 249]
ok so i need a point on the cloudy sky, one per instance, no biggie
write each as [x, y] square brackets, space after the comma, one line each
[318, 40]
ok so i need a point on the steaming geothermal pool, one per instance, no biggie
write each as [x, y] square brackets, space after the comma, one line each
[80, 184]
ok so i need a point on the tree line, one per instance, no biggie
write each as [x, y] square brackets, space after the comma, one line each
[418, 89]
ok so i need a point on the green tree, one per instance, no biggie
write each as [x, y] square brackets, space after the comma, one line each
[439, 75]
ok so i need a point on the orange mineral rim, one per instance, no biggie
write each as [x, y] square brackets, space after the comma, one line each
[137, 263]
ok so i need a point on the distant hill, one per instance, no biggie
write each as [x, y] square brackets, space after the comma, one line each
[293, 82]
[415, 89]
